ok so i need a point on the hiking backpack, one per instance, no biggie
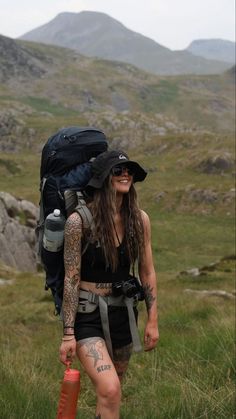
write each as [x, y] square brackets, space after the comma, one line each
[65, 170]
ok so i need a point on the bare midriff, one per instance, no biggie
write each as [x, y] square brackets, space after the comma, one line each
[100, 288]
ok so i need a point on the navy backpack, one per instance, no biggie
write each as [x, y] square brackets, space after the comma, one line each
[65, 170]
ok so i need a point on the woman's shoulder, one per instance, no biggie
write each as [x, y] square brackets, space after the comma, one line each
[74, 222]
[145, 217]
[146, 223]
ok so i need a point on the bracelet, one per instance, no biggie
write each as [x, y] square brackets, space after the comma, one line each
[69, 334]
[67, 340]
[68, 327]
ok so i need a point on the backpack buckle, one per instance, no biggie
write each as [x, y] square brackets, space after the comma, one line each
[93, 298]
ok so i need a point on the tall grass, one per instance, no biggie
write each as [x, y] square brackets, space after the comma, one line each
[189, 375]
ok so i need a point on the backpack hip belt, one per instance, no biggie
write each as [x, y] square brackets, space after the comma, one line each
[91, 301]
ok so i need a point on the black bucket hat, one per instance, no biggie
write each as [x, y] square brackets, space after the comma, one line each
[103, 164]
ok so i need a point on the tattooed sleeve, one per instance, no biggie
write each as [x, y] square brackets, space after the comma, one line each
[148, 295]
[72, 261]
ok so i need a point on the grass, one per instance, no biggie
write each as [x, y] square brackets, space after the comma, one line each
[189, 375]
[70, 80]
[161, 96]
[44, 105]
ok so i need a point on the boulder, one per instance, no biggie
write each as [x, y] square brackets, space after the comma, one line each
[30, 210]
[217, 164]
[17, 240]
[12, 205]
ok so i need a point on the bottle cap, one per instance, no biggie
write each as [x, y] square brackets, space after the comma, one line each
[56, 212]
[71, 375]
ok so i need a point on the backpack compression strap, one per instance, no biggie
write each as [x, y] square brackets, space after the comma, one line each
[40, 224]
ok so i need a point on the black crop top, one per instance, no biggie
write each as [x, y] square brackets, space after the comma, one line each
[93, 265]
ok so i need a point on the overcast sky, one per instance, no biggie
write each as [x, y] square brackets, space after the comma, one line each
[172, 23]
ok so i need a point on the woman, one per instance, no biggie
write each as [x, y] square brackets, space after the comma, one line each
[99, 278]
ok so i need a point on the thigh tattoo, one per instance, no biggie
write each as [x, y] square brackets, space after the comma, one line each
[94, 348]
[121, 359]
[123, 354]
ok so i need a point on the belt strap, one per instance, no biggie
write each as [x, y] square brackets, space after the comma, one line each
[133, 326]
[91, 301]
[103, 308]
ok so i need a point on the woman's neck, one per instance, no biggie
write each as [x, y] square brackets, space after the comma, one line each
[119, 200]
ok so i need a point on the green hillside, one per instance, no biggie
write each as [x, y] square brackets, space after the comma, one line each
[63, 84]
[182, 130]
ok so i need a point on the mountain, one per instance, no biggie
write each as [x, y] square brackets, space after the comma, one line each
[98, 35]
[48, 87]
[178, 126]
[213, 49]
[18, 61]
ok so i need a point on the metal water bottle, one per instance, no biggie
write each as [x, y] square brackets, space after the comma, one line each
[69, 395]
[53, 236]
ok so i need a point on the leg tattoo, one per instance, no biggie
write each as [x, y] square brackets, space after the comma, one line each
[121, 359]
[93, 346]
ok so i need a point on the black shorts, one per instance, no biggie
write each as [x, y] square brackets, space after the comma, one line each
[89, 325]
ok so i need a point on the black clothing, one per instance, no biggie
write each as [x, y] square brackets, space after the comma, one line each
[94, 269]
[89, 325]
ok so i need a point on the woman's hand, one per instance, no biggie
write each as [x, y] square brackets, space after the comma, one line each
[151, 336]
[67, 351]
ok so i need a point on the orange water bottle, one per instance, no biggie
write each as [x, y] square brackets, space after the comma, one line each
[69, 394]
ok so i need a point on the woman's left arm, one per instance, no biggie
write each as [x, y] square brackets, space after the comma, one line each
[149, 282]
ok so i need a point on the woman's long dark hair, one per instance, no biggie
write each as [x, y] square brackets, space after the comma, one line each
[103, 208]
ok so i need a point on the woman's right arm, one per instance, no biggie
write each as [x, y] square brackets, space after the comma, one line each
[72, 262]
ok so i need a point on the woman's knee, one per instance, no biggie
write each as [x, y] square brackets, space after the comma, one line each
[109, 393]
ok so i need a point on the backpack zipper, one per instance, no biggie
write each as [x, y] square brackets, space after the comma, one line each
[53, 152]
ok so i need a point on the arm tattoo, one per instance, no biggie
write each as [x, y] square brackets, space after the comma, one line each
[149, 297]
[72, 261]
[94, 348]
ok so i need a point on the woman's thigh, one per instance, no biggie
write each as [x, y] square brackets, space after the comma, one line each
[93, 355]
[121, 359]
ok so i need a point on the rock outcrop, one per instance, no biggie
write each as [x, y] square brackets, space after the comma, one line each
[18, 219]
[212, 293]
[217, 164]
[16, 61]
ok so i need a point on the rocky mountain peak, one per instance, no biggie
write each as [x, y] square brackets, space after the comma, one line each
[96, 34]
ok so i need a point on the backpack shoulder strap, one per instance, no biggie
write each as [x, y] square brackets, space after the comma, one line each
[84, 211]
[86, 216]
[75, 202]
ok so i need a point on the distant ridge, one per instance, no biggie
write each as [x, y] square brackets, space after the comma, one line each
[56, 82]
[213, 49]
[17, 61]
[98, 35]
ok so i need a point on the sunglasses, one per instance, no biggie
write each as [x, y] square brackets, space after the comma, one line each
[119, 170]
